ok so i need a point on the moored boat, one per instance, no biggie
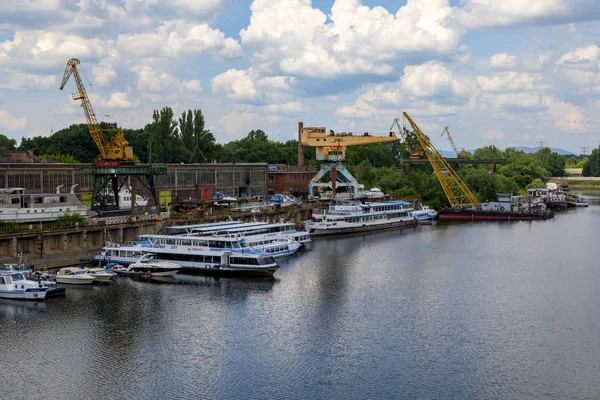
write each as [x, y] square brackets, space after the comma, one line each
[148, 265]
[13, 285]
[357, 218]
[424, 214]
[74, 276]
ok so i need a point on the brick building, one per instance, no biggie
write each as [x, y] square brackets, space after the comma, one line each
[293, 179]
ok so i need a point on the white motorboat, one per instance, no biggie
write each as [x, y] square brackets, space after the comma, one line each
[13, 285]
[425, 214]
[74, 276]
[375, 193]
[101, 275]
[148, 265]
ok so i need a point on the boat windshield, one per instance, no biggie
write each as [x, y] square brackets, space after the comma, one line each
[266, 260]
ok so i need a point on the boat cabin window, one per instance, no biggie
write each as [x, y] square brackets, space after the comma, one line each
[15, 200]
[7, 280]
[38, 200]
[1, 280]
[63, 199]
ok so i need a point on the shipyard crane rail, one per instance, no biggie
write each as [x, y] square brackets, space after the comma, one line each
[457, 192]
[460, 152]
[118, 149]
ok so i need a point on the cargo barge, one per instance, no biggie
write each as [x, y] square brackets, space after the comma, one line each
[461, 214]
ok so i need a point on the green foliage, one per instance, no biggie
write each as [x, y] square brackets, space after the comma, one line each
[378, 154]
[576, 162]
[486, 185]
[8, 227]
[536, 183]
[74, 140]
[553, 162]
[7, 143]
[592, 167]
[72, 220]
[522, 167]
[61, 158]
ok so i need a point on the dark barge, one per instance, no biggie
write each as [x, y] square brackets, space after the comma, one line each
[462, 214]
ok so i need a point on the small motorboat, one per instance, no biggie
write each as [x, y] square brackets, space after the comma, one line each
[148, 265]
[74, 276]
[102, 275]
[13, 285]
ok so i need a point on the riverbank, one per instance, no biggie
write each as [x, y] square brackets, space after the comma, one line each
[578, 182]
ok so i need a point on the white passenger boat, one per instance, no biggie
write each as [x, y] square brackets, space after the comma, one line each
[74, 276]
[424, 214]
[17, 206]
[203, 254]
[254, 231]
[368, 217]
[147, 264]
[13, 285]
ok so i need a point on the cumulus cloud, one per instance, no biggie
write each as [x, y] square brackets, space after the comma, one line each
[434, 79]
[567, 117]
[508, 82]
[581, 67]
[492, 13]
[152, 81]
[18, 80]
[293, 37]
[11, 123]
[503, 61]
[237, 85]
[119, 100]
[179, 39]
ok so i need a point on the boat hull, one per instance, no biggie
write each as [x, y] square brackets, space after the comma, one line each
[74, 281]
[28, 294]
[228, 271]
[449, 214]
[316, 232]
[154, 272]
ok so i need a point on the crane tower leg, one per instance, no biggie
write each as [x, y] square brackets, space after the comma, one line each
[326, 176]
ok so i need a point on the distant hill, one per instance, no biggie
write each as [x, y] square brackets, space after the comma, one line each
[563, 152]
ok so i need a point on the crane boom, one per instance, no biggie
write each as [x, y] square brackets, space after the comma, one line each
[460, 154]
[118, 148]
[332, 147]
[457, 192]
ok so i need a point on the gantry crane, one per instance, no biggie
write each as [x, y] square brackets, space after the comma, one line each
[331, 148]
[118, 149]
[457, 192]
[116, 167]
[460, 152]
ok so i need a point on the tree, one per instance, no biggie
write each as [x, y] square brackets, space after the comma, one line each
[167, 146]
[553, 162]
[592, 167]
[7, 143]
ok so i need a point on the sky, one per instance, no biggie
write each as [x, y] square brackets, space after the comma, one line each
[503, 73]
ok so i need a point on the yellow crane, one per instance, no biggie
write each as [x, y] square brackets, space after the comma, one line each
[457, 192]
[118, 149]
[460, 152]
[331, 148]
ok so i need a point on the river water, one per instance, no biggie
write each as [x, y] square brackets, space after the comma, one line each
[503, 310]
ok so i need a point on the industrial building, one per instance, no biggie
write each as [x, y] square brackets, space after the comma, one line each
[182, 181]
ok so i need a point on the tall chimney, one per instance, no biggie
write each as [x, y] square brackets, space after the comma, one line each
[300, 147]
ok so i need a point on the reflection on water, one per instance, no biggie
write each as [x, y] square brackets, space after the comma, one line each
[459, 310]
